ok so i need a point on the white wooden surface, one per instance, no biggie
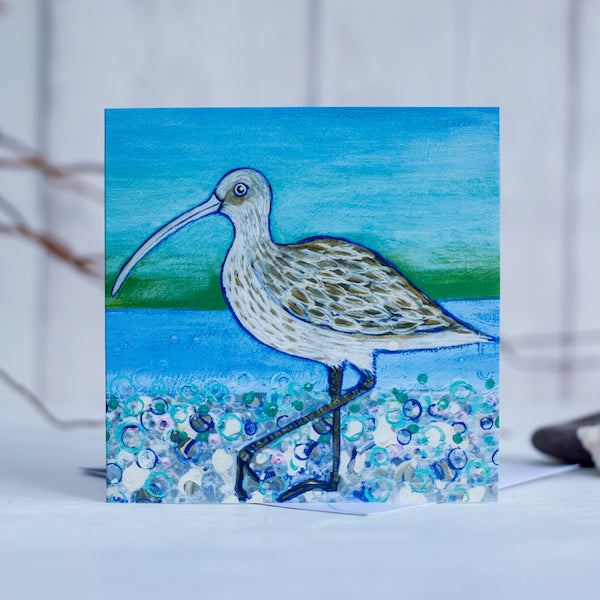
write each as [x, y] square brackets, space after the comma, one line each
[337, 52]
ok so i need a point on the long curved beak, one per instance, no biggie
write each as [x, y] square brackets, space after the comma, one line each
[202, 210]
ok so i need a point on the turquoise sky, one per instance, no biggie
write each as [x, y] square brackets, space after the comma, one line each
[420, 186]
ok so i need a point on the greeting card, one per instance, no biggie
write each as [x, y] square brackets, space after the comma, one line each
[302, 305]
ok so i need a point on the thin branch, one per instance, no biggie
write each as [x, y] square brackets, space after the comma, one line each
[41, 407]
[62, 175]
[36, 162]
[81, 187]
[31, 162]
[88, 265]
[34, 159]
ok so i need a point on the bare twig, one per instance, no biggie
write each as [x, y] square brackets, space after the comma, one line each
[63, 175]
[30, 158]
[91, 266]
[36, 162]
[80, 187]
[41, 407]
[88, 265]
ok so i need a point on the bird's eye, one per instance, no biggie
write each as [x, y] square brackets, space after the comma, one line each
[241, 189]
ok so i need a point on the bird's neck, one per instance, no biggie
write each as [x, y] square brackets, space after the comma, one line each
[252, 230]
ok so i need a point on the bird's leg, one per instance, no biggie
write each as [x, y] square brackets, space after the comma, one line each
[335, 377]
[334, 479]
[335, 390]
[337, 400]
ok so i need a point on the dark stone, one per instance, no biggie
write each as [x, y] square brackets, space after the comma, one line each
[561, 441]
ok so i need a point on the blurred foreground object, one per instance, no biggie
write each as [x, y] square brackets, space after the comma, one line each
[576, 441]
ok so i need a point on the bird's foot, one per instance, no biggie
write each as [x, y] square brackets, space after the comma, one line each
[307, 486]
[243, 461]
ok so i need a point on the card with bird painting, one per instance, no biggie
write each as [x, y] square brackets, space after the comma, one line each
[302, 305]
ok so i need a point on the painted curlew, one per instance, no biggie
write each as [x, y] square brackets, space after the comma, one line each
[324, 299]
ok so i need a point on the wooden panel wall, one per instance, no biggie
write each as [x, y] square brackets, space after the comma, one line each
[538, 60]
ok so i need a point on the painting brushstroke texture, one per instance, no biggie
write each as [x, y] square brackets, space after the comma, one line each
[302, 304]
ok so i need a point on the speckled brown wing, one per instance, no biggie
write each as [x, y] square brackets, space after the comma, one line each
[345, 287]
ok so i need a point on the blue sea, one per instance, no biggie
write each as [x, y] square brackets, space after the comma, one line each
[186, 346]
[187, 390]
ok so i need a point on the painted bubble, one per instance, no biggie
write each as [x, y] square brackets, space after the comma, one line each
[378, 489]
[412, 409]
[113, 473]
[230, 427]
[146, 459]
[404, 436]
[132, 437]
[457, 458]
[158, 484]
[352, 428]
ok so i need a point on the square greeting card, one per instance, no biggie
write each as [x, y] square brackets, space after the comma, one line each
[302, 304]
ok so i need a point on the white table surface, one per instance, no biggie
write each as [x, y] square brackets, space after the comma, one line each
[59, 539]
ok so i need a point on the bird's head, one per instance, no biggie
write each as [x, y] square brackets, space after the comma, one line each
[243, 195]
